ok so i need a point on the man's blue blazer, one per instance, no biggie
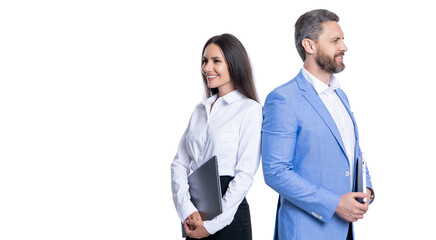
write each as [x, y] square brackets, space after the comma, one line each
[304, 160]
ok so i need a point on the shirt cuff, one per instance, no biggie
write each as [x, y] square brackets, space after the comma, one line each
[187, 210]
[210, 227]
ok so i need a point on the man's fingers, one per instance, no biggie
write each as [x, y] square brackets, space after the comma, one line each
[359, 212]
[361, 206]
[358, 195]
[355, 218]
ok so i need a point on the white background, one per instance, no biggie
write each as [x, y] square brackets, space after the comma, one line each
[95, 95]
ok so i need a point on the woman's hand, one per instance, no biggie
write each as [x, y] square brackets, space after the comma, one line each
[195, 216]
[198, 229]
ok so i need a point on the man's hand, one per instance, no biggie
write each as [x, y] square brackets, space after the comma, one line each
[195, 216]
[199, 230]
[350, 209]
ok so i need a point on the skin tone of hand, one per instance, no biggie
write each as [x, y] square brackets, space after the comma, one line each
[195, 216]
[199, 230]
[350, 209]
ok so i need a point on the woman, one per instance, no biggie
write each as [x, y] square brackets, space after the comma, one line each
[228, 125]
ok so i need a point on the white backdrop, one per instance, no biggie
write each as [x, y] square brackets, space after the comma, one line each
[95, 95]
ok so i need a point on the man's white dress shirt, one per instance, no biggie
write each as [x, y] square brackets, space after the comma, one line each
[231, 130]
[338, 112]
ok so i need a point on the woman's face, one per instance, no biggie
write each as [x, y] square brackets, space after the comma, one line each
[215, 70]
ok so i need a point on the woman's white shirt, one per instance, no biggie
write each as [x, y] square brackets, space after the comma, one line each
[232, 132]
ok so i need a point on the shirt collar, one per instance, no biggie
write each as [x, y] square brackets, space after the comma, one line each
[318, 85]
[229, 98]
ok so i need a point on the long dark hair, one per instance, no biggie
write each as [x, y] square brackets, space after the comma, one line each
[238, 64]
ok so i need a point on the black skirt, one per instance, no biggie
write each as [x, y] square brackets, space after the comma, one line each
[240, 227]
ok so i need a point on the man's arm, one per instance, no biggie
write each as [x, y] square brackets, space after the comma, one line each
[279, 135]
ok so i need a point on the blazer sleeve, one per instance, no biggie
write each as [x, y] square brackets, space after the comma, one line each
[280, 130]
[369, 184]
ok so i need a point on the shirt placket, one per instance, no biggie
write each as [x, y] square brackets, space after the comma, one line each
[210, 113]
[214, 109]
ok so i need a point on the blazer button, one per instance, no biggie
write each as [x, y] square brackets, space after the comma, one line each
[347, 173]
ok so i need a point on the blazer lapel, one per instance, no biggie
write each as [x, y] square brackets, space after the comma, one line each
[312, 97]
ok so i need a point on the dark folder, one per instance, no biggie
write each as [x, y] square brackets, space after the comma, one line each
[205, 190]
[361, 177]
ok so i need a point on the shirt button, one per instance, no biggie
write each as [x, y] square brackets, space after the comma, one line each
[347, 173]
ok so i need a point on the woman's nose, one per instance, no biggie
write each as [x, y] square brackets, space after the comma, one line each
[207, 67]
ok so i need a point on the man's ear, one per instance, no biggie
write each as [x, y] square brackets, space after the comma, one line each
[309, 45]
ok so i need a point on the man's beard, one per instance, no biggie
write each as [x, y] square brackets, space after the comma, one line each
[329, 64]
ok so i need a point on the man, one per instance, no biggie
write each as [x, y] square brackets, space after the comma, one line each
[310, 142]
